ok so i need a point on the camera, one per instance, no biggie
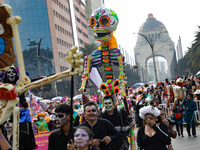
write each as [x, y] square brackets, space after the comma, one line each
[171, 122]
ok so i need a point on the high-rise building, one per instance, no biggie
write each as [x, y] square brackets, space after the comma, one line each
[179, 52]
[47, 29]
[81, 22]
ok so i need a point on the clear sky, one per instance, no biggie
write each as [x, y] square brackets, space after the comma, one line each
[180, 17]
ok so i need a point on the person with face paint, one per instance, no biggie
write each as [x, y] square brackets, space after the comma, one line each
[4, 145]
[59, 139]
[103, 130]
[82, 140]
[11, 76]
[41, 123]
[25, 140]
[120, 119]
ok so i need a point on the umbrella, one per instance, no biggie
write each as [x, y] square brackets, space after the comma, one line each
[137, 85]
[38, 98]
[45, 101]
[77, 97]
[58, 98]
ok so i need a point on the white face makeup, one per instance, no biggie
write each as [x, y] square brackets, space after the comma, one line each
[108, 103]
[8, 125]
[81, 138]
[11, 75]
[61, 119]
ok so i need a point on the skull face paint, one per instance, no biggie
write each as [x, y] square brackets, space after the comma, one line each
[61, 119]
[81, 138]
[108, 103]
[9, 124]
[11, 74]
[103, 21]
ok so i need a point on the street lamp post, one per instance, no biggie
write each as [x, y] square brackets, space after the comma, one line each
[38, 55]
[151, 42]
[38, 58]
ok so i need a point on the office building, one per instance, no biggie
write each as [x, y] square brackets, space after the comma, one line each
[47, 29]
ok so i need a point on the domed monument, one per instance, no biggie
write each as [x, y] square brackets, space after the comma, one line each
[154, 41]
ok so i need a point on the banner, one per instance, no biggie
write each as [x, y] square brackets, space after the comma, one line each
[41, 140]
[35, 106]
[95, 77]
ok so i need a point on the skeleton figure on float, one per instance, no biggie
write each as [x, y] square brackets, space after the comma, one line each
[104, 21]
[8, 91]
[178, 90]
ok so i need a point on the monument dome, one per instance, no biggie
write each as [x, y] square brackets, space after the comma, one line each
[151, 24]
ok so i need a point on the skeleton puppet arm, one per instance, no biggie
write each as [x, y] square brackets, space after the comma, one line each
[122, 74]
[86, 73]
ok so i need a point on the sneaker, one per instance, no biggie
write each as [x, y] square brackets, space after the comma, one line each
[182, 135]
[194, 136]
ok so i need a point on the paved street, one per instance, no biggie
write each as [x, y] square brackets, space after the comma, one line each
[185, 143]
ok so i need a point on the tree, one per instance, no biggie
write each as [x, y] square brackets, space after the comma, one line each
[191, 58]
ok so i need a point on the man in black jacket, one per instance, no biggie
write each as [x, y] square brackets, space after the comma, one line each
[59, 139]
[103, 130]
[120, 119]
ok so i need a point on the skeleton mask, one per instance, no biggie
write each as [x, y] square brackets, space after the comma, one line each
[9, 124]
[11, 74]
[103, 21]
[61, 119]
[108, 103]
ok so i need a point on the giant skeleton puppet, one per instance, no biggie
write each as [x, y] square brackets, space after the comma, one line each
[104, 22]
[9, 92]
[179, 92]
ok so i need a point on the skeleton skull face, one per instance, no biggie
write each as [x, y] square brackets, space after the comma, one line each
[61, 119]
[11, 74]
[9, 124]
[103, 21]
[108, 103]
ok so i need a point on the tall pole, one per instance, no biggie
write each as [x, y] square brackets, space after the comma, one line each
[38, 55]
[38, 58]
[151, 43]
